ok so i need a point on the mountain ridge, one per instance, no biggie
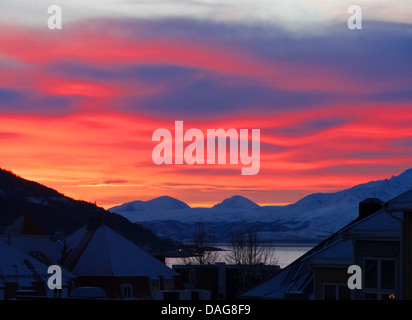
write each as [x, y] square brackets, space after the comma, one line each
[311, 218]
[159, 203]
[59, 213]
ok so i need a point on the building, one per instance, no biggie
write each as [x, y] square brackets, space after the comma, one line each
[401, 209]
[183, 294]
[220, 279]
[27, 235]
[100, 257]
[21, 273]
[24, 264]
[373, 242]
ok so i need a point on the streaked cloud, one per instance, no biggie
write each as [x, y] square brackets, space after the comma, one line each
[78, 106]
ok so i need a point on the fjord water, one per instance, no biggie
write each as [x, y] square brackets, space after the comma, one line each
[283, 255]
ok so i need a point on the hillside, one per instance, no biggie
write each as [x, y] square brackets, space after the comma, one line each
[58, 213]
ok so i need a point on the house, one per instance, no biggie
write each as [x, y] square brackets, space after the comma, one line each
[20, 273]
[372, 241]
[183, 294]
[330, 271]
[376, 241]
[100, 257]
[27, 235]
[401, 208]
[220, 279]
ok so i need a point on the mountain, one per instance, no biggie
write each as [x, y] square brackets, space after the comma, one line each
[160, 203]
[310, 219]
[236, 202]
[58, 213]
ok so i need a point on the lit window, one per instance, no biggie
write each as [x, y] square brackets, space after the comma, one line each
[155, 285]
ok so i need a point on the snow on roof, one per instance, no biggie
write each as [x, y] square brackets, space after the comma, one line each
[15, 263]
[54, 250]
[339, 253]
[297, 276]
[294, 278]
[333, 250]
[402, 202]
[110, 254]
[379, 224]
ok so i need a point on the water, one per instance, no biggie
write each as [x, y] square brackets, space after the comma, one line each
[282, 254]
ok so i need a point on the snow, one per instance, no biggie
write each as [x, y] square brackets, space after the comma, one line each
[339, 253]
[402, 202]
[160, 203]
[110, 254]
[294, 278]
[12, 261]
[378, 224]
[314, 217]
[35, 200]
[236, 202]
[337, 250]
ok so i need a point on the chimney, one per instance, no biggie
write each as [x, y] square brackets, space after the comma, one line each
[94, 222]
[369, 206]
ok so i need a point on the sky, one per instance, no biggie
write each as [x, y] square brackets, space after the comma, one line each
[79, 105]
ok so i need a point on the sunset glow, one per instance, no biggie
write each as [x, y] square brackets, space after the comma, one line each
[78, 106]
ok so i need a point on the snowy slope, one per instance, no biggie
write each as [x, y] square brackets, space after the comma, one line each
[311, 218]
[236, 202]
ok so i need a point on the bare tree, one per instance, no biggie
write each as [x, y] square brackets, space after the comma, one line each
[202, 244]
[250, 253]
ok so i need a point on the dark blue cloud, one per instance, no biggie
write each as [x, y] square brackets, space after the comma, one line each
[403, 143]
[24, 100]
[376, 170]
[379, 53]
[391, 96]
[308, 127]
[269, 148]
[148, 73]
[8, 96]
[207, 96]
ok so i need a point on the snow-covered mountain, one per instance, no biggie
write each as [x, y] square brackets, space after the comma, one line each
[160, 203]
[312, 218]
[236, 202]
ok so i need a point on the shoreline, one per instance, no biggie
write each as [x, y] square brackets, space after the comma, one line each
[281, 245]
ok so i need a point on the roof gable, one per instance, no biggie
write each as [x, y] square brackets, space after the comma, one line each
[339, 253]
[380, 224]
[15, 263]
[109, 254]
[402, 202]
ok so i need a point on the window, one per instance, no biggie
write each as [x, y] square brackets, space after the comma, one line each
[155, 285]
[379, 278]
[168, 284]
[127, 291]
[336, 291]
